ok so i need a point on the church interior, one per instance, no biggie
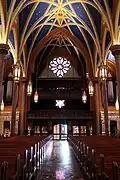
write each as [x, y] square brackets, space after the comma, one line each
[59, 89]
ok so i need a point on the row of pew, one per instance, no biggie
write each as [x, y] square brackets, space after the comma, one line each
[20, 156]
[99, 156]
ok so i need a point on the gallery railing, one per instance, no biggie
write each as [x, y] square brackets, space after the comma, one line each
[56, 114]
[60, 94]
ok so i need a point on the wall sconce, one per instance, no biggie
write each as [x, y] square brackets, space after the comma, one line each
[87, 75]
[91, 88]
[84, 97]
[16, 72]
[2, 106]
[29, 88]
[117, 104]
[36, 96]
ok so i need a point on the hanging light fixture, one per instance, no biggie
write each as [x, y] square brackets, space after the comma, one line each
[103, 71]
[16, 72]
[36, 96]
[2, 106]
[117, 104]
[29, 88]
[87, 75]
[91, 88]
[84, 97]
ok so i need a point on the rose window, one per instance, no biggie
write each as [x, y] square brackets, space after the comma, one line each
[59, 66]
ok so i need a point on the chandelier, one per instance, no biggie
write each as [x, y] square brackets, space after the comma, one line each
[29, 88]
[59, 66]
[2, 106]
[84, 97]
[36, 96]
[16, 72]
[117, 104]
[91, 88]
[103, 71]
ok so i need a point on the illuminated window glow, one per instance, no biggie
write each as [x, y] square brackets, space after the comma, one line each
[60, 103]
[59, 66]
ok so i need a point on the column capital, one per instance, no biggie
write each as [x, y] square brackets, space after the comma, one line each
[115, 50]
[4, 49]
[24, 79]
[95, 79]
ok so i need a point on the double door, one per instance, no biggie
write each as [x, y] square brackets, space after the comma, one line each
[60, 132]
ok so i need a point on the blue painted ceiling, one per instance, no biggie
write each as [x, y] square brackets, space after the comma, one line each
[41, 18]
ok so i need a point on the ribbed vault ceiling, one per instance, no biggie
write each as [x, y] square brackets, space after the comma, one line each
[86, 27]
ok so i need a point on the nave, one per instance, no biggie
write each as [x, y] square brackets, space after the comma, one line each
[42, 158]
[59, 163]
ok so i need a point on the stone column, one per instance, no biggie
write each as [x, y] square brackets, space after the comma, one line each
[97, 105]
[23, 94]
[69, 127]
[105, 106]
[116, 52]
[3, 56]
[28, 103]
[91, 103]
[79, 130]
[50, 127]
[14, 106]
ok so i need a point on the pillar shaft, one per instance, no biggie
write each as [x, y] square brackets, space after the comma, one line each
[2, 63]
[28, 103]
[22, 122]
[50, 127]
[116, 52]
[69, 127]
[91, 103]
[3, 56]
[14, 106]
[105, 105]
[97, 107]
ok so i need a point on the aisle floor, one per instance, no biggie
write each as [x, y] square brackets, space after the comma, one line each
[59, 163]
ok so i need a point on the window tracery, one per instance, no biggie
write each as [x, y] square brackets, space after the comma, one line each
[59, 66]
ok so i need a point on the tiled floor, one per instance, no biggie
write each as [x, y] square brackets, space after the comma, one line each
[59, 163]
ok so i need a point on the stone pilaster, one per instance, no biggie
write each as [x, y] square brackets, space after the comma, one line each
[105, 106]
[23, 94]
[116, 52]
[14, 106]
[69, 127]
[50, 127]
[97, 105]
[3, 56]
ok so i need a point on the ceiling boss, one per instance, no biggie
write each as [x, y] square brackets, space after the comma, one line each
[60, 14]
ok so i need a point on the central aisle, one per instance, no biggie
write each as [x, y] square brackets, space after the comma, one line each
[59, 163]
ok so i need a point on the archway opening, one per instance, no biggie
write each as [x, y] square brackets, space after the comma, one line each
[60, 132]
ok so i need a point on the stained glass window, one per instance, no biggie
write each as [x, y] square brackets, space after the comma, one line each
[59, 66]
[60, 103]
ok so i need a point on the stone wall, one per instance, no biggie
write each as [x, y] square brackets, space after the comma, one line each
[112, 116]
[6, 116]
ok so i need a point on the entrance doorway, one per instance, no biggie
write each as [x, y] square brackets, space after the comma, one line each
[113, 127]
[60, 131]
[6, 128]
